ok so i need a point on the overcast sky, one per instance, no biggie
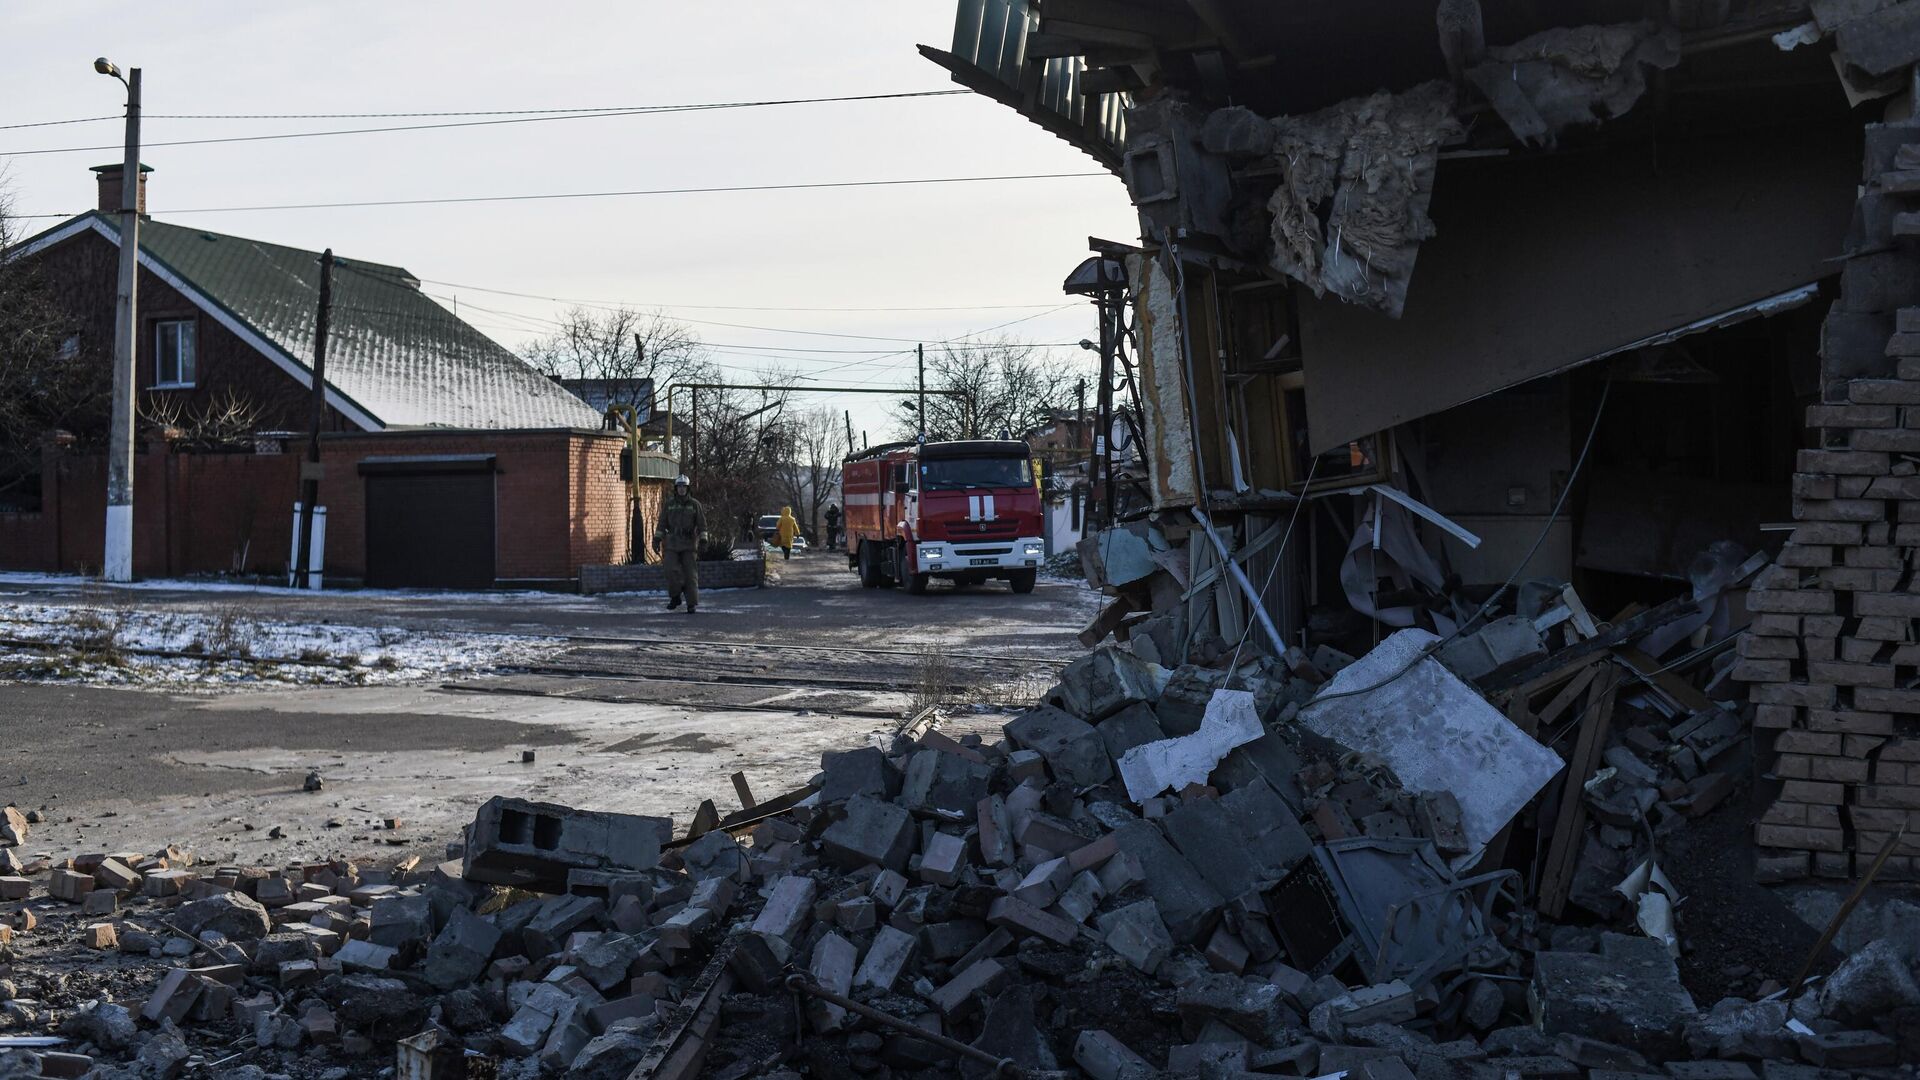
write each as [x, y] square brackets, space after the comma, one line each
[1004, 246]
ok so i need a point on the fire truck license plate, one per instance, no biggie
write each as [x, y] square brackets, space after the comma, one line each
[981, 562]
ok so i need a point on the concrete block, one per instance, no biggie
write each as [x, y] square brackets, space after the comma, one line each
[1104, 1057]
[832, 968]
[461, 951]
[1042, 885]
[1629, 993]
[943, 860]
[1186, 901]
[365, 956]
[892, 950]
[1082, 897]
[401, 917]
[115, 875]
[172, 998]
[69, 885]
[865, 771]
[937, 780]
[962, 992]
[554, 919]
[1105, 681]
[1137, 933]
[872, 832]
[1130, 727]
[1022, 917]
[787, 909]
[1074, 751]
[532, 845]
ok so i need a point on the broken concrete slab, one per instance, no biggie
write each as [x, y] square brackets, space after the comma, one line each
[1137, 933]
[1105, 681]
[1436, 732]
[1152, 768]
[871, 832]
[865, 771]
[1629, 993]
[532, 845]
[1868, 985]
[1186, 901]
[1074, 750]
[937, 780]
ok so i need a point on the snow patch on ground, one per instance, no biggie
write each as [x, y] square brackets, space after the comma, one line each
[112, 642]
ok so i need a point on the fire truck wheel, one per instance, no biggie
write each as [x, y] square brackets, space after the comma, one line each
[917, 584]
[1022, 580]
[869, 573]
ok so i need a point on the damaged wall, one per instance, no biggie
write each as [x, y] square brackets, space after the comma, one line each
[1162, 383]
[1834, 652]
[1540, 264]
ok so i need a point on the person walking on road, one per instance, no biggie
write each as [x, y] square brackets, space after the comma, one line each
[833, 526]
[682, 521]
[786, 531]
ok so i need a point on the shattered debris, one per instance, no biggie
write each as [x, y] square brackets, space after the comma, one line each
[1155, 871]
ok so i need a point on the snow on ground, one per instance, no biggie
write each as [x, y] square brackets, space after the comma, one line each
[113, 642]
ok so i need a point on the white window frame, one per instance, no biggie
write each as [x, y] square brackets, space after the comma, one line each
[192, 355]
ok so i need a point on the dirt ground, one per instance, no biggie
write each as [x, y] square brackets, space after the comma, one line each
[651, 714]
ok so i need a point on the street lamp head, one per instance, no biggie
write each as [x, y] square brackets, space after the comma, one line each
[1088, 345]
[106, 67]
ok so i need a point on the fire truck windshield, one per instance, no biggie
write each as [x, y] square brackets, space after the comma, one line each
[949, 474]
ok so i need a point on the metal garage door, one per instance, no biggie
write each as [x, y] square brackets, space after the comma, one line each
[430, 521]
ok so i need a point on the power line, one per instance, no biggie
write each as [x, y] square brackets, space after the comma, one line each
[465, 199]
[57, 123]
[616, 305]
[514, 116]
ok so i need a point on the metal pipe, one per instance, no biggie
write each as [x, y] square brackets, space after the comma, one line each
[1001, 1066]
[1240, 579]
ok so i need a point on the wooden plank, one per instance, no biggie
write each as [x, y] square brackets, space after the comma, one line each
[1570, 817]
[1570, 692]
[1626, 630]
[1668, 683]
[741, 789]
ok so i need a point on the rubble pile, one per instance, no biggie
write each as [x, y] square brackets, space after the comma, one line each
[1153, 872]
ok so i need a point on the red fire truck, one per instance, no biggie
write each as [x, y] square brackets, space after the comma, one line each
[964, 511]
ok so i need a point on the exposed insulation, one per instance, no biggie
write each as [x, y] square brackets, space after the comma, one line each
[1351, 208]
[1572, 75]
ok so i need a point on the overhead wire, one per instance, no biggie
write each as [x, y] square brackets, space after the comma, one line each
[468, 199]
[530, 116]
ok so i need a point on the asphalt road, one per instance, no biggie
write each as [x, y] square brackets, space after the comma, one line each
[219, 770]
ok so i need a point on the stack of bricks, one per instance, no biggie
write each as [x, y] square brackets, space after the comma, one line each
[1833, 655]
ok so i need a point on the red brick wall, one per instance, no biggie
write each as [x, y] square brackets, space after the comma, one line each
[559, 504]
[84, 272]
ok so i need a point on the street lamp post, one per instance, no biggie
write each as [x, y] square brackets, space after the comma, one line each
[117, 564]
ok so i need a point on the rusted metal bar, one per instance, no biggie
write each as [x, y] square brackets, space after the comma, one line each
[1846, 909]
[1001, 1066]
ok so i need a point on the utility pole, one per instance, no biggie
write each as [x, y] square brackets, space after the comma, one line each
[310, 470]
[849, 415]
[117, 561]
[1100, 468]
[921, 352]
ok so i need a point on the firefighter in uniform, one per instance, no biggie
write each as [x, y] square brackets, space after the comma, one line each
[682, 521]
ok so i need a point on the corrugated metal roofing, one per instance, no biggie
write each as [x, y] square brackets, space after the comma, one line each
[399, 355]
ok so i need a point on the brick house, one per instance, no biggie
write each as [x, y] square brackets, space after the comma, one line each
[448, 460]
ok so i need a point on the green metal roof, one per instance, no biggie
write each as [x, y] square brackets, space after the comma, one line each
[396, 353]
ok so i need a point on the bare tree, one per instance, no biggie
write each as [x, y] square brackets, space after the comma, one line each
[812, 466]
[733, 449]
[50, 379]
[1006, 387]
[631, 353]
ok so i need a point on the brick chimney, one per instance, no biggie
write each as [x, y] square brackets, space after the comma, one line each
[108, 177]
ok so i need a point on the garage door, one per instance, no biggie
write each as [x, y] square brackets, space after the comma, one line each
[430, 521]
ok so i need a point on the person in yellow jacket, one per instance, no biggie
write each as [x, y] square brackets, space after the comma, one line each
[786, 531]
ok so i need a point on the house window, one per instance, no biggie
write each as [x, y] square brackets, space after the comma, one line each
[175, 344]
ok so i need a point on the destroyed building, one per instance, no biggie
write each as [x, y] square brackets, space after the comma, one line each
[1432, 299]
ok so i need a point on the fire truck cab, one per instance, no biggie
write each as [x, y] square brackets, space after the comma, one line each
[965, 511]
